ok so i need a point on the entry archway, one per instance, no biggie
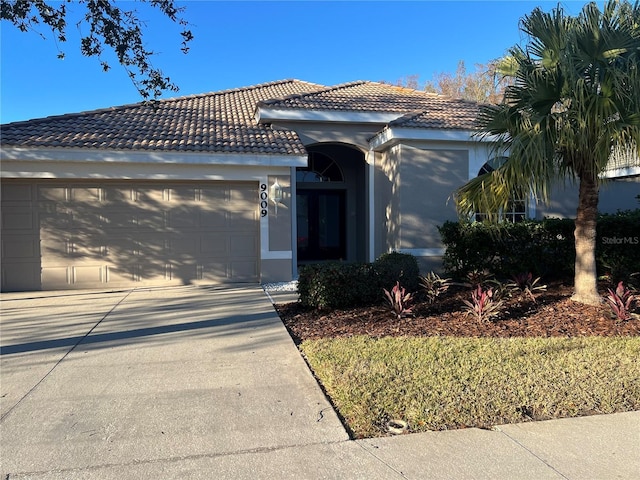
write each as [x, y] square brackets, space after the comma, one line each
[330, 205]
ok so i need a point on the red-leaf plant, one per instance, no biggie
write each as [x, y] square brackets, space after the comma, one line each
[398, 300]
[621, 301]
[482, 305]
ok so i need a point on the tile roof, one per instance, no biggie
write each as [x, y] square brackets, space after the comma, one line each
[219, 122]
[428, 110]
[224, 122]
[444, 113]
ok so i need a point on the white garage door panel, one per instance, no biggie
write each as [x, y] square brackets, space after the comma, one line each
[93, 235]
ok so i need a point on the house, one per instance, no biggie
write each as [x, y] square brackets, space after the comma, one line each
[240, 185]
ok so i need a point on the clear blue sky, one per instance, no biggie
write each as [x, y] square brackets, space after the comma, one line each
[243, 43]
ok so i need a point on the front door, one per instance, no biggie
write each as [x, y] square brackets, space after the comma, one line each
[321, 225]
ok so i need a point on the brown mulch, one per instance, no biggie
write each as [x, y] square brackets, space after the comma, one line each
[553, 314]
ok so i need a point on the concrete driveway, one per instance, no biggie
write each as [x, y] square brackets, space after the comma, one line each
[146, 380]
[203, 382]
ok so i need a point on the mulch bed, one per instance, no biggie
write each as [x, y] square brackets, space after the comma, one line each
[553, 314]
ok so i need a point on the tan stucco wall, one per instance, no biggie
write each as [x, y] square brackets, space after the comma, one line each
[563, 201]
[614, 195]
[310, 133]
[428, 179]
[276, 270]
[619, 195]
[413, 189]
[387, 201]
[280, 217]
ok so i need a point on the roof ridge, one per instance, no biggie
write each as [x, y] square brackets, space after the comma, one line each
[73, 114]
[342, 86]
[241, 89]
[409, 89]
[303, 95]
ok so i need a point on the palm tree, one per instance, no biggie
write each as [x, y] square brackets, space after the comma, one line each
[574, 99]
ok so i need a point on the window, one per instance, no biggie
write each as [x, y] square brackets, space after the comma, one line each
[517, 208]
[321, 169]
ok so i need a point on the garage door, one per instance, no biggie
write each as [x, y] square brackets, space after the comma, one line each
[96, 235]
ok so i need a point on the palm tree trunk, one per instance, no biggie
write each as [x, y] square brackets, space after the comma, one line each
[585, 280]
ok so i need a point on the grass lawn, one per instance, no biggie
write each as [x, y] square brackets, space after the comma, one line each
[439, 383]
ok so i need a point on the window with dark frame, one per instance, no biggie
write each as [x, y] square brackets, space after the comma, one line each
[517, 208]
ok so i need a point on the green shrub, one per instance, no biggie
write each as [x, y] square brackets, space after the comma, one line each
[508, 248]
[545, 248]
[557, 247]
[338, 285]
[618, 245]
[397, 267]
[345, 285]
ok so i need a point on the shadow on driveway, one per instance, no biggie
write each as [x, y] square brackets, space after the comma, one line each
[129, 334]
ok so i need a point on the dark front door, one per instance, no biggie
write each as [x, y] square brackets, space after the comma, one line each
[321, 225]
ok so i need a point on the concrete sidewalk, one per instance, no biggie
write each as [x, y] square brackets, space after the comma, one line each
[204, 382]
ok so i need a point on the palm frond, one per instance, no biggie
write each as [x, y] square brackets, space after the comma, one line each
[575, 97]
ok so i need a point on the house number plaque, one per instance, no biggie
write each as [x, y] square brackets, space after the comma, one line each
[264, 197]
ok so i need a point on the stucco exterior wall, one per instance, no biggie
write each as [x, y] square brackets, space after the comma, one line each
[619, 195]
[352, 134]
[387, 201]
[280, 214]
[563, 201]
[413, 196]
[428, 179]
[614, 195]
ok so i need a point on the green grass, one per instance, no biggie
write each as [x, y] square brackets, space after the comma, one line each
[439, 383]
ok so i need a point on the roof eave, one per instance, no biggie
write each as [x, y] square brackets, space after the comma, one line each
[393, 135]
[621, 172]
[24, 154]
[266, 114]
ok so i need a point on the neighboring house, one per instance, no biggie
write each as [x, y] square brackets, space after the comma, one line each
[240, 185]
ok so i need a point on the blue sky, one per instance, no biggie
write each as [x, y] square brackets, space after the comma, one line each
[244, 43]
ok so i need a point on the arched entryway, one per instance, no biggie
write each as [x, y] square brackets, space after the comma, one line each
[330, 205]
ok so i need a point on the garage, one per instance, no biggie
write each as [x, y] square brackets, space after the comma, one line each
[85, 234]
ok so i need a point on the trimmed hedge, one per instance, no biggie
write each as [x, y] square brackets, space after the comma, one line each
[337, 285]
[397, 267]
[345, 285]
[618, 247]
[545, 248]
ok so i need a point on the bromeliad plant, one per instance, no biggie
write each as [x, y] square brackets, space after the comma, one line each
[483, 305]
[621, 301]
[434, 286]
[399, 300]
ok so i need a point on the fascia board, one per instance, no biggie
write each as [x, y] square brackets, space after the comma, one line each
[268, 115]
[423, 252]
[113, 156]
[392, 136]
[621, 172]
